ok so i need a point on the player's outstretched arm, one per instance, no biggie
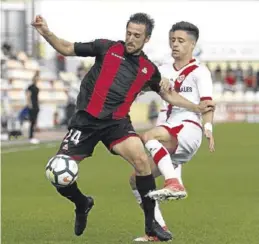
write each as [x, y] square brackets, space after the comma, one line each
[63, 47]
[175, 99]
[207, 119]
[205, 88]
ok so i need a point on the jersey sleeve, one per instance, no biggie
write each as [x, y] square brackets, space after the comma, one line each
[91, 49]
[204, 83]
[154, 82]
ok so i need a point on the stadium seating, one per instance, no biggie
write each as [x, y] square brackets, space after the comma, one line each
[54, 92]
[218, 87]
[257, 97]
[249, 96]
[238, 96]
[44, 85]
[17, 96]
[227, 96]
[19, 74]
[31, 65]
[13, 64]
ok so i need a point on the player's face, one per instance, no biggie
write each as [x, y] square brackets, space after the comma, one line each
[181, 44]
[135, 38]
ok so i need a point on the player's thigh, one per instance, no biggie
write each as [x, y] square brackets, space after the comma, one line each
[159, 133]
[132, 149]
[189, 141]
[121, 133]
[121, 139]
[190, 137]
[78, 144]
[173, 130]
[170, 145]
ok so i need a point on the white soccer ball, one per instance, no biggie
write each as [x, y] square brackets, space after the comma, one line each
[62, 170]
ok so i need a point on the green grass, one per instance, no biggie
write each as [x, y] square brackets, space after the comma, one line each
[222, 207]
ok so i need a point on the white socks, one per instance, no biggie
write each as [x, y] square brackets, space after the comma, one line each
[161, 158]
[158, 215]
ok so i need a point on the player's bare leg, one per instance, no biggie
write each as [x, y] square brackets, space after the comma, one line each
[153, 139]
[133, 151]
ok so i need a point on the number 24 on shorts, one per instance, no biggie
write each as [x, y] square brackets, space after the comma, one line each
[73, 136]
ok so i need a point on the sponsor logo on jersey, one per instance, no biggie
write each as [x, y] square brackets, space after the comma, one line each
[144, 70]
[181, 78]
[184, 89]
[117, 56]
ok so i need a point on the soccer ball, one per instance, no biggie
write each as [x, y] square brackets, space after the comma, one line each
[62, 170]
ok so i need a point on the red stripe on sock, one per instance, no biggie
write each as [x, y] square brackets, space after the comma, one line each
[159, 155]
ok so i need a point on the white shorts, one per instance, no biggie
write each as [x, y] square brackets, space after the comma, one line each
[189, 136]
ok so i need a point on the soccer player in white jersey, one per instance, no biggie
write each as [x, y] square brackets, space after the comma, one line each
[178, 134]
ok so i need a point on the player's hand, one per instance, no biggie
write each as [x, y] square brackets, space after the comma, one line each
[140, 94]
[206, 106]
[211, 141]
[40, 24]
[165, 85]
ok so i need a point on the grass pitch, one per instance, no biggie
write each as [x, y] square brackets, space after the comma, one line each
[222, 207]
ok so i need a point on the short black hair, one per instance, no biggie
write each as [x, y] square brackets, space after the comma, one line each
[145, 19]
[188, 27]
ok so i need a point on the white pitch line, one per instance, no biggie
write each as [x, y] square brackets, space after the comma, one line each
[29, 148]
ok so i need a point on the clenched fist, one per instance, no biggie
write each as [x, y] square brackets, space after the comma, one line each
[165, 85]
[206, 106]
[40, 24]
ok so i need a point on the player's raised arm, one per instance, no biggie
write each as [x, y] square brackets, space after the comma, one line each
[64, 47]
[67, 48]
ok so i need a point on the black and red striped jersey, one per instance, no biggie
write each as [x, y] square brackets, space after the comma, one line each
[115, 79]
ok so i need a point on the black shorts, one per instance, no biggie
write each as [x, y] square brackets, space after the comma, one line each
[85, 131]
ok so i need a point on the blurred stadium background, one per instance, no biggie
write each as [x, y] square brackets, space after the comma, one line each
[231, 51]
[228, 45]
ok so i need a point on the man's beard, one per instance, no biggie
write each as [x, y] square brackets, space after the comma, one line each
[137, 51]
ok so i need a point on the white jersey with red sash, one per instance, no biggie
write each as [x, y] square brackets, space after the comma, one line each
[194, 83]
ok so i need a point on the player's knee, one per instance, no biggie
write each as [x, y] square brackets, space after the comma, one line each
[146, 136]
[132, 181]
[141, 164]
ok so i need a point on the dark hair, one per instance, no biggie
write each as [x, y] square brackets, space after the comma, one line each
[190, 28]
[145, 19]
